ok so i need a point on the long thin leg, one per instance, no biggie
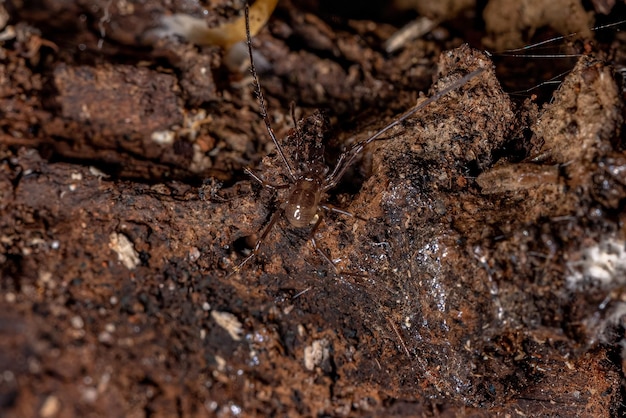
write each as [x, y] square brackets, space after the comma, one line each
[259, 93]
[263, 182]
[348, 157]
[317, 248]
[322, 254]
[331, 208]
[292, 110]
[259, 241]
[399, 336]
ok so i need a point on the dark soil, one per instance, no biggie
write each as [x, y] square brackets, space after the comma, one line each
[484, 272]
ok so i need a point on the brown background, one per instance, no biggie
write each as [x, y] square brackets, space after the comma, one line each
[490, 243]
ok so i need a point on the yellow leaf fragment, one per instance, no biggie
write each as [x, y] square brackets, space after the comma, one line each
[231, 33]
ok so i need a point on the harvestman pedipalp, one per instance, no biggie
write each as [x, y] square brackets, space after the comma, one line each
[309, 183]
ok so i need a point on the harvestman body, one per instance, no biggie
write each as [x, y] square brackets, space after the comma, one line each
[313, 179]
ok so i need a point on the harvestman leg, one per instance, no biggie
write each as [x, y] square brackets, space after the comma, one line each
[346, 158]
[338, 271]
[259, 241]
[268, 227]
[311, 238]
[263, 182]
[332, 208]
[270, 131]
[317, 248]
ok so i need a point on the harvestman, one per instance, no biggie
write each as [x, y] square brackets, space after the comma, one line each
[309, 184]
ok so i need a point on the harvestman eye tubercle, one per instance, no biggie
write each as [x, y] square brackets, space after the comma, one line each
[309, 183]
